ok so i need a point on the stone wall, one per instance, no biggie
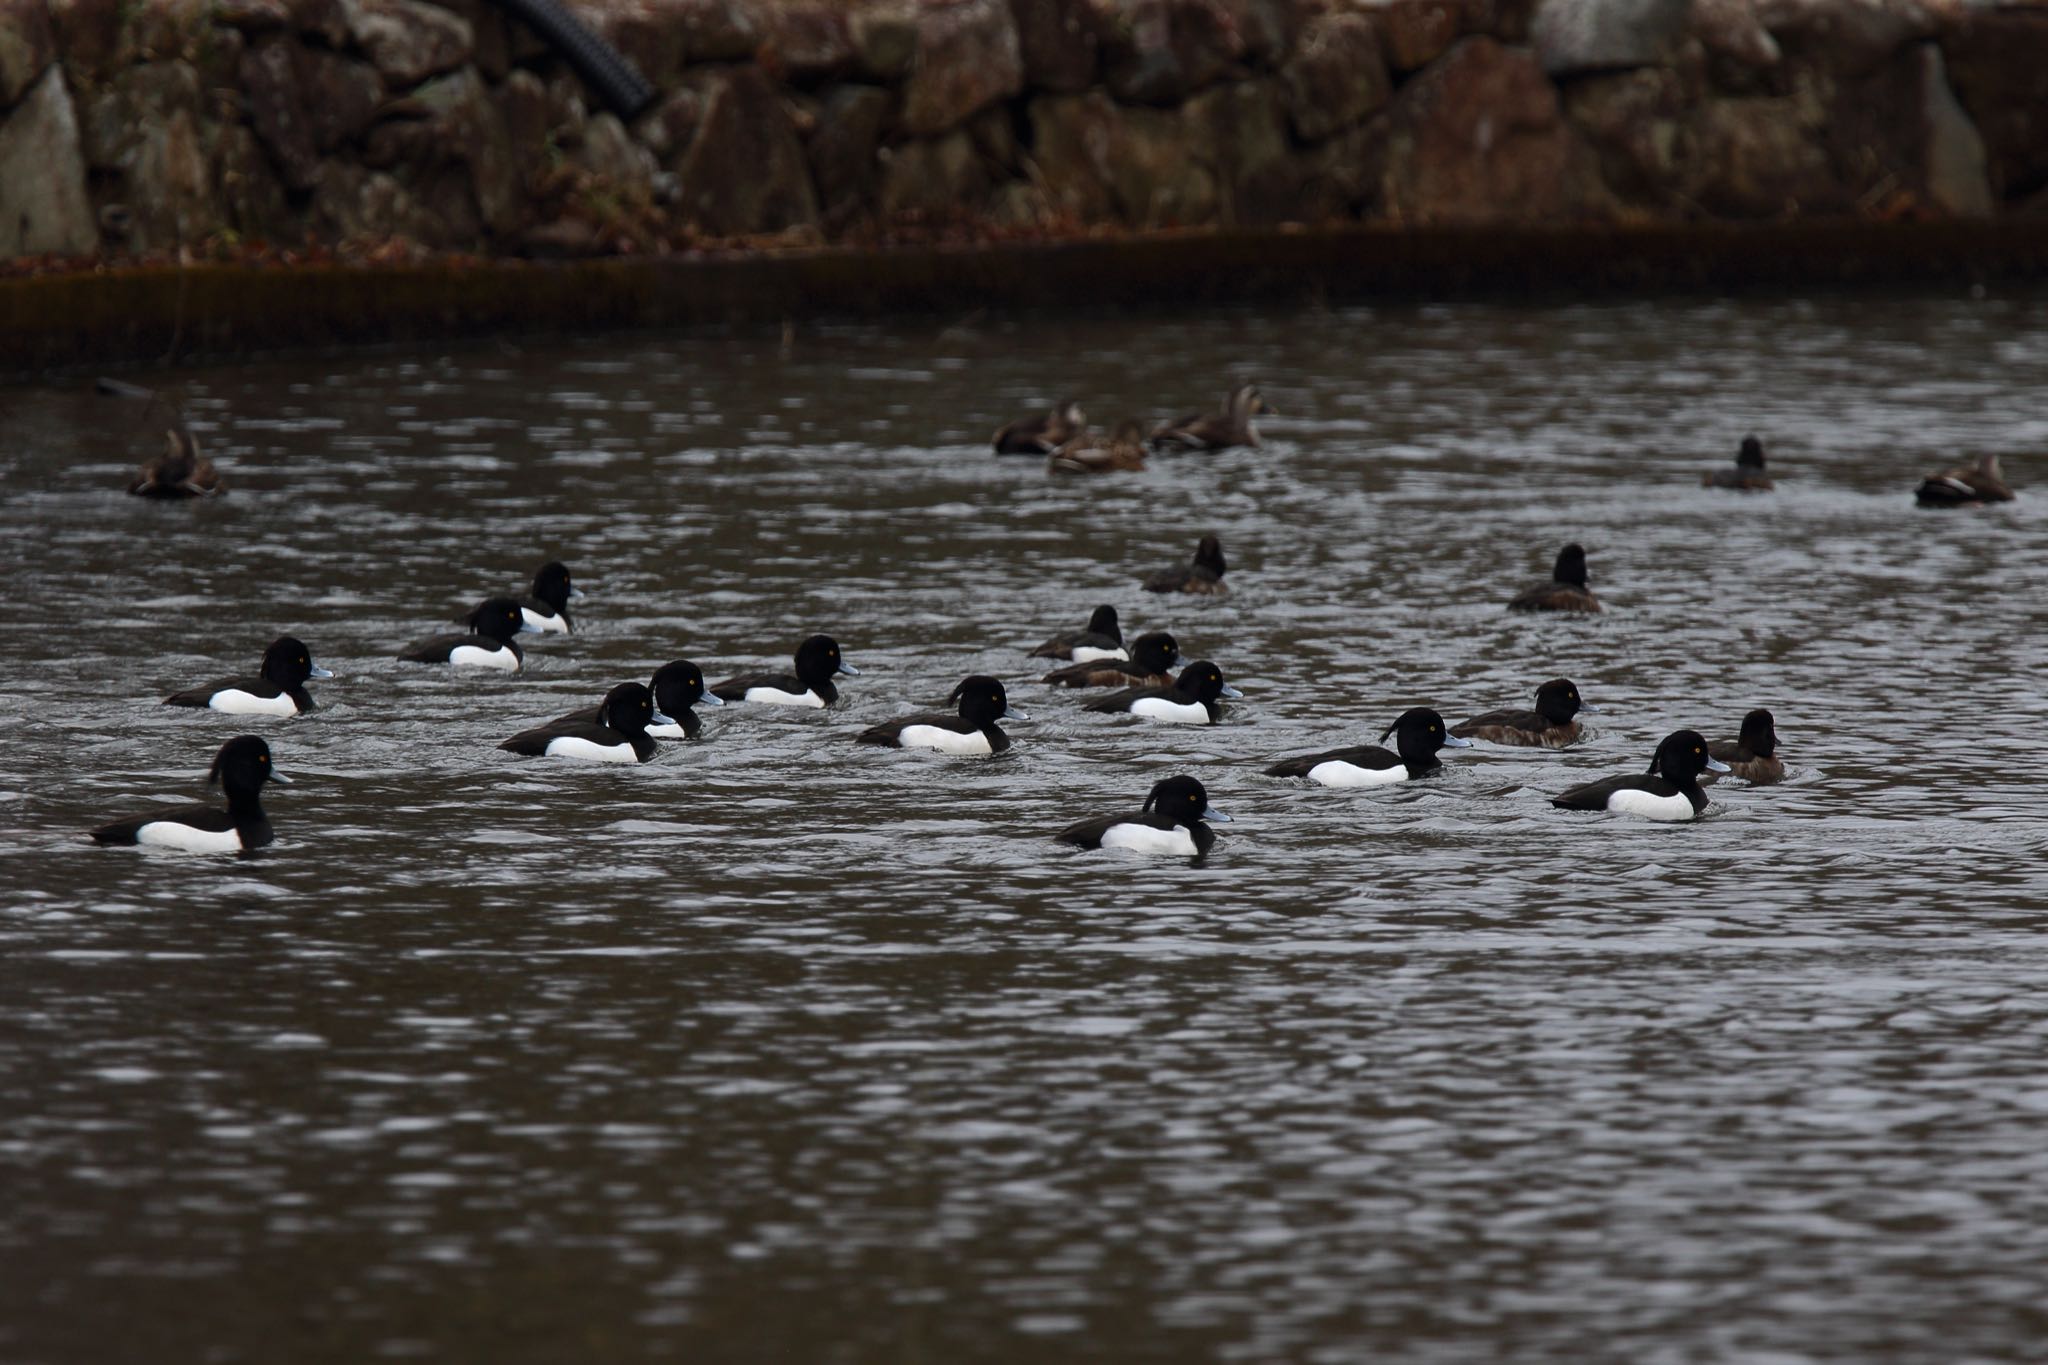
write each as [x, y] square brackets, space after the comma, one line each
[138, 127]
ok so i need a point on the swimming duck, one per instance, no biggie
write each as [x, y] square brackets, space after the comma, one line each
[1189, 700]
[1552, 725]
[678, 688]
[1170, 822]
[618, 735]
[1753, 754]
[1418, 734]
[1044, 434]
[1202, 575]
[1103, 639]
[1218, 430]
[278, 689]
[817, 660]
[1086, 454]
[546, 608]
[1566, 591]
[1153, 656]
[180, 472]
[241, 767]
[1671, 790]
[488, 645]
[974, 731]
[1965, 485]
[1747, 473]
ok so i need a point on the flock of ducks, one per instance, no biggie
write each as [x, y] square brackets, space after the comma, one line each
[1144, 677]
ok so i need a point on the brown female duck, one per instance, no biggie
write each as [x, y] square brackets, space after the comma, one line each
[1087, 454]
[1218, 430]
[1203, 574]
[1044, 434]
[180, 472]
[1566, 590]
[1965, 486]
[1746, 474]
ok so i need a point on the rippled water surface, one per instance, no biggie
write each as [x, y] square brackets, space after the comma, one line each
[784, 1048]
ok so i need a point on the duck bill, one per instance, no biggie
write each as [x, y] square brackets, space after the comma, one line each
[575, 592]
[1211, 813]
[319, 672]
[848, 669]
[276, 776]
[1715, 765]
[1012, 713]
[1456, 742]
[1589, 709]
[1230, 693]
[659, 719]
[527, 627]
[711, 699]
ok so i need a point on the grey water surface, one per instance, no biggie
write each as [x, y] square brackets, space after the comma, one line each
[784, 1048]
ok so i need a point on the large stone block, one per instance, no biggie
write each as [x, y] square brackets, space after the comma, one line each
[43, 204]
[715, 30]
[1637, 126]
[1573, 37]
[1161, 51]
[277, 109]
[842, 149]
[27, 47]
[935, 177]
[1998, 63]
[1059, 43]
[743, 172]
[408, 41]
[1074, 141]
[807, 43]
[1845, 37]
[967, 59]
[1336, 77]
[1901, 145]
[1414, 33]
[1761, 157]
[1479, 136]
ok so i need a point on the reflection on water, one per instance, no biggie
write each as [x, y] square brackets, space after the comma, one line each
[780, 1047]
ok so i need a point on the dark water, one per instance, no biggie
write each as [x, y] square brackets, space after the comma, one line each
[780, 1048]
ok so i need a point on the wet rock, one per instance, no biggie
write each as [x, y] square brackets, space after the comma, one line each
[743, 172]
[1336, 77]
[1162, 51]
[884, 40]
[356, 204]
[610, 153]
[565, 239]
[1074, 139]
[408, 41]
[1761, 158]
[1267, 30]
[253, 16]
[806, 44]
[663, 129]
[1414, 33]
[1635, 122]
[325, 20]
[1345, 174]
[643, 36]
[491, 31]
[1573, 37]
[1995, 63]
[1730, 30]
[1900, 143]
[967, 59]
[1480, 137]
[91, 39]
[715, 30]
[1163, 175]
[341, 96]
[43, 168]
[1259, 176]
[1846, 37]
[467, 132]
[842, 150]
[277, 110]
[252, 198]
[1057, 42]
[934, 177]
[27, 47]
[170, 29]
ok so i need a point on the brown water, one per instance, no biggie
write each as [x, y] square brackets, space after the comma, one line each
[782, 1048]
